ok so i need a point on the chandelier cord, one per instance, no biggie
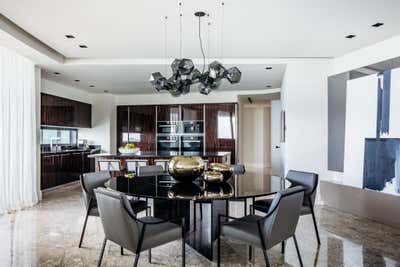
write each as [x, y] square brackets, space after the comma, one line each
[201, 46]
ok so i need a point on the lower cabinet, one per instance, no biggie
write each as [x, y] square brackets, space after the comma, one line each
[62, 168]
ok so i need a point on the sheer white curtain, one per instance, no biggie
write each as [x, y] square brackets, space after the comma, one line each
[18, 148]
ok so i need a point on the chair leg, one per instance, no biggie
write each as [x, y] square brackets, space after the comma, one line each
[135, 263]
[149, 255]
[283, 247]
[183, 243]
[266, 257]
[84, 228]
[122, 251]
[103, 247]
[297, 250]
[315, 225]
[194, 216]
[250, 253]
[183, 252]
[219, 243]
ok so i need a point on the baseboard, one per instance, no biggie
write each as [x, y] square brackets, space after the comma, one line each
[378, 206]
[63, 186]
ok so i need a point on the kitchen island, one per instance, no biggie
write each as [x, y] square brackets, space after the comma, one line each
[218, 156]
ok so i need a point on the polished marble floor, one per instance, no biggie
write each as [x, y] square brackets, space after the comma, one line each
[47, 235]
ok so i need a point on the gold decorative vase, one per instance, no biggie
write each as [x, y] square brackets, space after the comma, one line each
[185, 168]
[222, 190]
[213, 177]
[225, 169]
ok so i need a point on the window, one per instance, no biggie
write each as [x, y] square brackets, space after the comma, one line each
[130, 137]
[62, 136]
[226, 125]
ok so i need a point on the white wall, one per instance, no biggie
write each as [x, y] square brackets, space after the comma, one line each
[57, 89]
[195, 97]
[378, 52]
[276, 107]
[361, 116]
[103, 129]
[304, 99]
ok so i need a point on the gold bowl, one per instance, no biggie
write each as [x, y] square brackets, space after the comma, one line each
[213, 177]
[225, 169]
[185, 168]
[222, 190]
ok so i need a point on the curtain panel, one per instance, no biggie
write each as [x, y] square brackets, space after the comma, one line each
[18, 142]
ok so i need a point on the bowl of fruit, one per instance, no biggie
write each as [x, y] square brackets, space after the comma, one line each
[129, 149]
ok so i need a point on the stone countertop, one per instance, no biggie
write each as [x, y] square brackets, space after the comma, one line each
[159, 155]
[68, 151]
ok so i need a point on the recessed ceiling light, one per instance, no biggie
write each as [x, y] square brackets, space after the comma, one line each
[69, 36]
[91, 85]
[77, 80]
[378, 24]
[83, 46]
[350, 36]
[268, 68]
[56, 73]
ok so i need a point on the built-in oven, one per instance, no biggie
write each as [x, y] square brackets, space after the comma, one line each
[167, 127]
[168, 144]
[192, 127]
[192, 144]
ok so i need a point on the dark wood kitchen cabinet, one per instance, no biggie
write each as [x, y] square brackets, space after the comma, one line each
[59, 111]
[137, 124]
[64, 167]
[193, 112]
[168, 113]
[220, 128]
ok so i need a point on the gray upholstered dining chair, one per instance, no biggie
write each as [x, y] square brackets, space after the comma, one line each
[122, 227]
[310, 182]
[265, 232]
[91, 181]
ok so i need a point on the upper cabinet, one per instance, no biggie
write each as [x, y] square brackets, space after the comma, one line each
[193, 112]
[168, 113]
[220, 130]
[58, 111]
[137, 124]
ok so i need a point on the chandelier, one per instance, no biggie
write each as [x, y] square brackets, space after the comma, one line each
[184, 74]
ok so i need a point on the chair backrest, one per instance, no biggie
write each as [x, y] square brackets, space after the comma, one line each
[133, 164]
[150, 170]
[283, 215]
[90, 181]
[238, 169]
[117, 216]
[162, 162]
[111, 165]
[308, 180]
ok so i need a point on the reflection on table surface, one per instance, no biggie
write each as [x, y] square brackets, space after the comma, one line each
[250, 184]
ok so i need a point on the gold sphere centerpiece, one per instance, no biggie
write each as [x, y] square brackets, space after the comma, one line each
[225, 169]
[186, 168]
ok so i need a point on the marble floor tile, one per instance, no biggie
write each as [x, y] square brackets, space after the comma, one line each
[48, 235]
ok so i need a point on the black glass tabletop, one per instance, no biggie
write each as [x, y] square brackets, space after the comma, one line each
[165, 187]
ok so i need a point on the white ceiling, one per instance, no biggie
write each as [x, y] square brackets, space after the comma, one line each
[129, 79]
[251, 29]
[137, 29]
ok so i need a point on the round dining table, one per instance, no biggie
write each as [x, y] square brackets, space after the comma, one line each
[172, 200]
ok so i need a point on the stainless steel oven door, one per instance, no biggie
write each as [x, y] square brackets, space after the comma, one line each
[167, 127]
[168, 144]
[193, 127]
[192, 144]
